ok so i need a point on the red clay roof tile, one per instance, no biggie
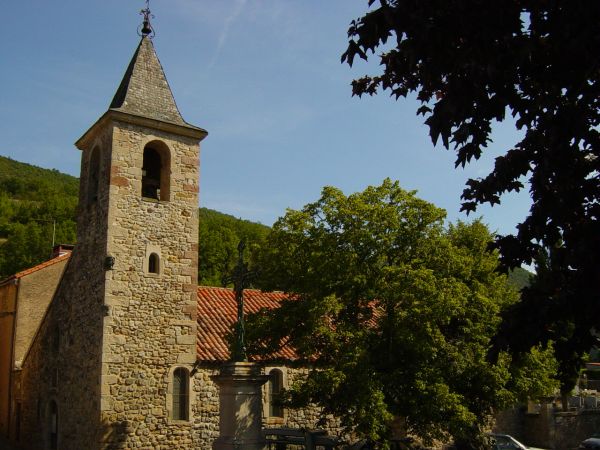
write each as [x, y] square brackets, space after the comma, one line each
[40, 266]
[217, 312]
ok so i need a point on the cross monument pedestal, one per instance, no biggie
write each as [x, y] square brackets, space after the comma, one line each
[240, 412]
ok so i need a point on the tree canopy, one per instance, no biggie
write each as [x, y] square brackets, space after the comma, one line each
[395, 311]
[473, 62]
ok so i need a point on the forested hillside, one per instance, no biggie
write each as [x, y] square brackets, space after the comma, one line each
[219, 237]
[35, 204]
[33, 199]
[519, 277]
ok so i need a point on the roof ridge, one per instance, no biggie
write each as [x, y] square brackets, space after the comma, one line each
[245, 289]
[37, 267]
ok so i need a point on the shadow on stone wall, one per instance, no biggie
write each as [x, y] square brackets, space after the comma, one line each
[114, 435]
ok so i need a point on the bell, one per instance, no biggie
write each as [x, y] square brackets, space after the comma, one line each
[146, 29]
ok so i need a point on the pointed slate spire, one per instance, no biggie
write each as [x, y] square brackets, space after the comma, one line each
[144, 90]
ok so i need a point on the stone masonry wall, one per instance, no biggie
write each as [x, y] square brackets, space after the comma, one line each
[570, 429]
[308, 417]
[510, 421]
[64, 361]
[150, 326]
[205, 408]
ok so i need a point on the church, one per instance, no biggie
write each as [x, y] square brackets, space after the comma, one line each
[112, 343]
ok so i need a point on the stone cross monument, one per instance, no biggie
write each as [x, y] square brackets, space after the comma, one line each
[240, 381]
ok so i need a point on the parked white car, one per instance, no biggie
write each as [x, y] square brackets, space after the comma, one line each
[507, 442]
[591, 442]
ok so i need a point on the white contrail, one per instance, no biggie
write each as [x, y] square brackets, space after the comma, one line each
[229, 20]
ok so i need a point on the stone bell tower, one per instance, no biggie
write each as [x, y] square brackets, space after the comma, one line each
[138, 220]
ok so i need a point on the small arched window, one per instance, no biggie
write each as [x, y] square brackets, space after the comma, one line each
[93, 176]
[156, 171]
[53, 425]
[275, 387]
[181, 397]
[153, 263]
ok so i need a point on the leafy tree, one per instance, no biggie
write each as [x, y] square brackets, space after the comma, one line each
[472, 62]
[26, 246]
[6, 212]
[394, 310]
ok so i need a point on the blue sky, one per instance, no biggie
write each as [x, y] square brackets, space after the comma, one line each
[262, 76]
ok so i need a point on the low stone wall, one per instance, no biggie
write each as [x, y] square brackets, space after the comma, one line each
[538, 428]
[573, 427]
[510, 421]
[551, 429]
[308, 417]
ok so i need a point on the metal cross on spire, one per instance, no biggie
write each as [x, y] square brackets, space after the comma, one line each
[146, 29]
[240, 278]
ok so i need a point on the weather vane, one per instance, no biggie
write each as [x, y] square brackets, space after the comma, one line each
[145, 29]
[240, 278]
